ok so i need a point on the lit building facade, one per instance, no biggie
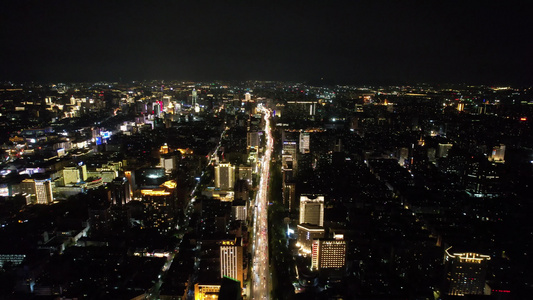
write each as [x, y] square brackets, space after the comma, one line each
[466, 273]
[231, 260]
[40, 190]
[328, 254]
[224, 176]
[71, 175]
[312, 209]
[304, 142]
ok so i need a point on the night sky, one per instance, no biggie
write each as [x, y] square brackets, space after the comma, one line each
[365, 42]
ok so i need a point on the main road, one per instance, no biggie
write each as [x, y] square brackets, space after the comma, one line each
[260, 267]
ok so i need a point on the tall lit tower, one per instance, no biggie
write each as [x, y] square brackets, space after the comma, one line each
[231, 260]
[224, 176]
[304, 142]
[194, 97]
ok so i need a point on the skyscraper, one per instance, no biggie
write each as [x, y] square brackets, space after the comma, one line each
[304, 142]
[194, 97]
[40, 190]
[312, 209]
[224, 176]
[328, 254]
[466, 273]
[231, 260]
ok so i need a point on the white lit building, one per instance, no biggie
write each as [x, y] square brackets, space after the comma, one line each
[312, 209]
[224, 176]
[231, 260]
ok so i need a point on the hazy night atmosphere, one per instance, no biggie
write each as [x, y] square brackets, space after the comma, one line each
[266, 150]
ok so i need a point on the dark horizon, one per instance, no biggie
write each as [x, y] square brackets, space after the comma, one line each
[359, 43]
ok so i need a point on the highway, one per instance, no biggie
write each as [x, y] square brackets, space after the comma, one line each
[260, 271]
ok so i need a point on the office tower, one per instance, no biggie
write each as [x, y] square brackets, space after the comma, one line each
[443, 149]
[43, 191]
[231, 260]
[40, 190]
[224, 176]
[312, 209]
[247, 97]
[119, 191]
[290, 147]
[304, 142]
[168, 162]
[252, 139]
[466, 273]
[328, 254]
[160, 205]
[306, 234]
[498, 153]
[194, 97]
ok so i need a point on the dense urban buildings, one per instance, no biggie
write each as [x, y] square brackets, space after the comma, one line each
[161, 190]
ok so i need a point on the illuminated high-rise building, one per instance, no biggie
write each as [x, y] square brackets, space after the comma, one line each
[40, 190]
[119, 191]
[224, 176]
[74, 174]
[312, 209]
[466, 273]
[304, 142]
[498, 153]
[231, 259]
[328, 254]
[194, 97]
[306, 234]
